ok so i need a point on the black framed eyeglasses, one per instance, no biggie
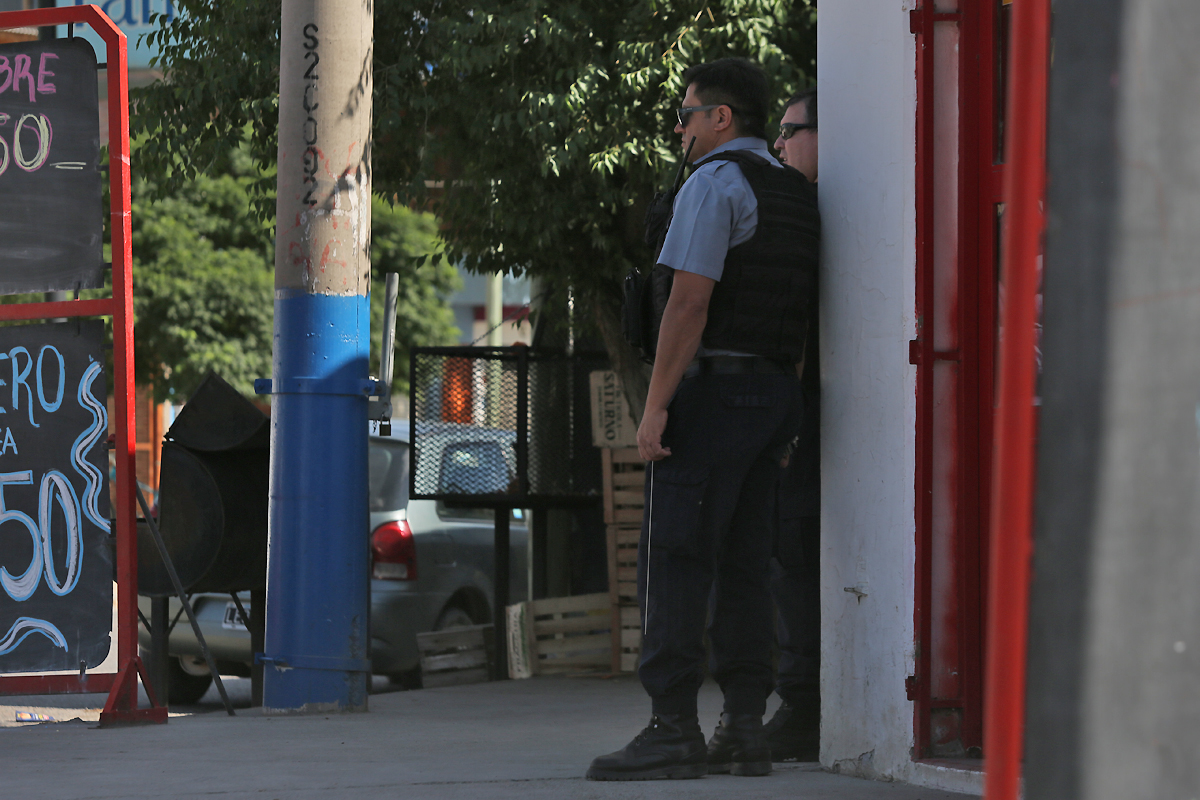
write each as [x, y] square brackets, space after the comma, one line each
[683, 113]
[788, 129]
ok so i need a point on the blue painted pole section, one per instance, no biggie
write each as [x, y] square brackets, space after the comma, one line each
[317, 578]
[316, 639]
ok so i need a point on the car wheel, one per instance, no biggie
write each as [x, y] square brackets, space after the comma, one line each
[409, 679]
[453, 617]
[184, 688]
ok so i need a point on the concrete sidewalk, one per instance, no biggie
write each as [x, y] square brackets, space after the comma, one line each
[515, 739]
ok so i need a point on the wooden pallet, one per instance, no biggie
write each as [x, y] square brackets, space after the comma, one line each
[624, 480]
[455, 655]
[560, 634]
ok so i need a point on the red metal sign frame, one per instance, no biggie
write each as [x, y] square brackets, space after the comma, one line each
[122, 704]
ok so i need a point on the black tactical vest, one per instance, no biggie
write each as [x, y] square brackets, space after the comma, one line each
[767, 294]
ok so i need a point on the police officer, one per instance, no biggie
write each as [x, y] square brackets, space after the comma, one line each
[739, 267]
[794, 731]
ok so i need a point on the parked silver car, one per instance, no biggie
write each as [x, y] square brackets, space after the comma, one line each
[431, 568]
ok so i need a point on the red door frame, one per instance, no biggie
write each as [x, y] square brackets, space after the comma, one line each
[978, 188]
[973, 409]
[121, 705]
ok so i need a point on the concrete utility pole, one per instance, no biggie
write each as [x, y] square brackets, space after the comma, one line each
[318, 584]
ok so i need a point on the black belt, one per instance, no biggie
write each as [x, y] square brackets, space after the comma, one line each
[737, 365]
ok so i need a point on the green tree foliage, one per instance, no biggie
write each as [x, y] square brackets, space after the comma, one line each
[548, 124]
[204, 286]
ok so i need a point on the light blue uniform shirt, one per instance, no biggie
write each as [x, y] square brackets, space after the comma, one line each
[715, 210]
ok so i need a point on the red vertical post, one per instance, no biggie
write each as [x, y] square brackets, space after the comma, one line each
[1013, 471]
[123, 386]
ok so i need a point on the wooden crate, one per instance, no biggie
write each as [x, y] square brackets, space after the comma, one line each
[560, 634]
[455, 655]
[624, 480]
[622, 584]
[622, 543]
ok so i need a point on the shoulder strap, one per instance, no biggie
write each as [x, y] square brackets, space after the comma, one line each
[740, 156]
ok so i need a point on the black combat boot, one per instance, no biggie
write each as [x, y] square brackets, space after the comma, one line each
[794, 733]
[739, 747]
[671, 746]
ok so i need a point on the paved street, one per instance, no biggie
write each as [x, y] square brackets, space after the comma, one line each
[518, 739]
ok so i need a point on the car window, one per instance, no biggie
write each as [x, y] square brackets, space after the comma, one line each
[449, 511]
[473, 468]
[387, 475]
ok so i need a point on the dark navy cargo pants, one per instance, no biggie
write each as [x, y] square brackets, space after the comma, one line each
[796, 570]
[709, 525]
[795, 584]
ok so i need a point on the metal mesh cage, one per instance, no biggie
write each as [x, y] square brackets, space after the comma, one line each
[502, 425]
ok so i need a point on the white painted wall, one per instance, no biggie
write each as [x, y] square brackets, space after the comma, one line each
[867, 113]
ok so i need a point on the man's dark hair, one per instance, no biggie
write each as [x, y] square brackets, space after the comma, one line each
[738, 83]
[809, 99]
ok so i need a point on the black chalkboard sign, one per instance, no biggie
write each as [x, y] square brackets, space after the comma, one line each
[55, 566]
[50, 213]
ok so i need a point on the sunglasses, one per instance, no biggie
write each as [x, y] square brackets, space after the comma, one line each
[788, 129]
[683, 113]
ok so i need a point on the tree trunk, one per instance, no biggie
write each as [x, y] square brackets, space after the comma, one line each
[626, 362]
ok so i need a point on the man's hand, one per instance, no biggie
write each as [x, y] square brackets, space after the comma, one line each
[649, 436]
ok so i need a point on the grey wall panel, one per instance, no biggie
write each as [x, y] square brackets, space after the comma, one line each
[1081, 196]
[1114, 706]
[1142, 696]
